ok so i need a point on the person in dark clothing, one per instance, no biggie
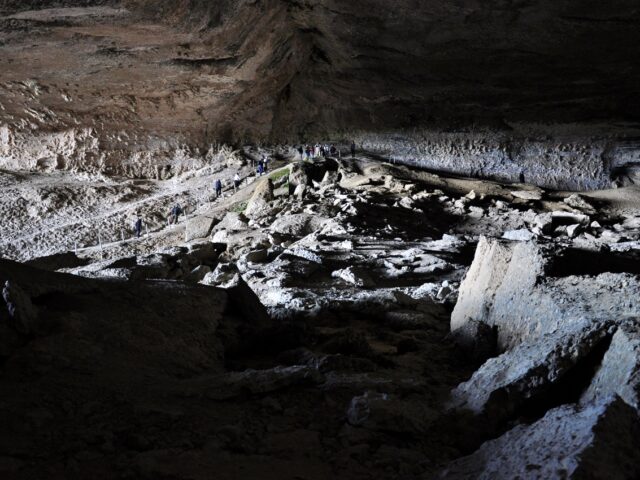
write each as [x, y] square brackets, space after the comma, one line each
[176, 211]
[218, 187]
[333, 150]
[137, 227]
[260, 168]
[301, 152]
[353, 150]
[308, 151]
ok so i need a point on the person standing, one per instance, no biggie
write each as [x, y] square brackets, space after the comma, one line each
[353, 149]
[236, 182]
[137, 227]
[301, 152]
[174, 216]
[218, 186]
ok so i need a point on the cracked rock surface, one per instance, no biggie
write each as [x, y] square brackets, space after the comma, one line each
[379, 325]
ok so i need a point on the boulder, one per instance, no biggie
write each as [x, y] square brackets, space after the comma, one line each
[300, 191]
[296, 225]
[522, 235]
[578, 202]
[568, 218]
[569, 442]
[260, 202]
[574, 230]
[257, 256]
[534, 194]
[527, 372]
[355, 276]
[199, 227]
[58, 261]
[525, 289]
[543, 223]
[298, 176]
[206, 252]
[232, 222]
[100, 328]
[619, 371]
[197, 274]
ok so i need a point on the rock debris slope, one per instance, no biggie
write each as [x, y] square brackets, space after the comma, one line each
[303, 327]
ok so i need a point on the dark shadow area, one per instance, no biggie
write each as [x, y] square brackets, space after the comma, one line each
[575, 261]
[567, 389]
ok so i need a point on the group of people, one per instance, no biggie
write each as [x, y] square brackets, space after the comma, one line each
[307, 152]
[322, 151]
[217, 185]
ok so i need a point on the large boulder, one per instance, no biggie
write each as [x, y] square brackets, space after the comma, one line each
[298, 176]
[597, 441]
[200, 227]
[619, 372]
[297, 224]
[528, 372]
[260, 202]
[232, 222]
[525, 290]
[58, 261]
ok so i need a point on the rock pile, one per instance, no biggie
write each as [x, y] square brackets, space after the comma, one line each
[334, 319]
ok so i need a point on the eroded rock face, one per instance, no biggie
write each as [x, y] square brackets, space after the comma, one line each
[568, 442]
[619, 371]
[569, 372]
[525, 290]
[144, 88]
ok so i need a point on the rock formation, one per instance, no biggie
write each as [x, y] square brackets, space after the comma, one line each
[432, 305]
[496, 89]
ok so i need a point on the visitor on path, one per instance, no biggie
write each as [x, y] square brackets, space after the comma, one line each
[301, 152]
[333, 150]
[260, 168]
[218, 186]
[308, 152]
[265, 163]
[236, 182]
[137, 227]
[317, 151]
[353, 149]
[176, 211]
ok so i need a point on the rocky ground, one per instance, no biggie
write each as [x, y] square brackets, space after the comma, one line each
[336, 318]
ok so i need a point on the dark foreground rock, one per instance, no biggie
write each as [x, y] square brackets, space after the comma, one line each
[593, 442]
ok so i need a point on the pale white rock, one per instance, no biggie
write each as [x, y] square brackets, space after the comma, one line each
[522, 235]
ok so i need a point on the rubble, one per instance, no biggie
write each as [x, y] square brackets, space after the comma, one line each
[334, 320]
